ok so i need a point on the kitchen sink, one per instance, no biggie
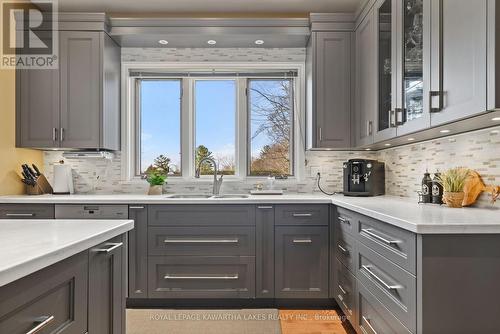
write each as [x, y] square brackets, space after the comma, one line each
[231, 196]
[190, 196]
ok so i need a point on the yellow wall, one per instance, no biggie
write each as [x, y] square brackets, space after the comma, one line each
[11, 157]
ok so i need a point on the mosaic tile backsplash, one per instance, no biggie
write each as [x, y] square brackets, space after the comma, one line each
[405, 166]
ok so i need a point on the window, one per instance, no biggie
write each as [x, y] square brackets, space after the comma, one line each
[215, 113]
[160, 125]
[243, 121]
[270, 110]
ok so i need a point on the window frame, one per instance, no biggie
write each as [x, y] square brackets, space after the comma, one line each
[291, 150]
[128, 152]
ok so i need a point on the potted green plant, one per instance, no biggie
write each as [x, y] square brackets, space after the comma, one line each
[156, 180]
[453, 182]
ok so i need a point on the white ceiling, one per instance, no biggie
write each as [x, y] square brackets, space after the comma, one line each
[241, 7]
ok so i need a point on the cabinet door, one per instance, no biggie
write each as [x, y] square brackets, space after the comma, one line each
[80, 66]
[385, 122]
[301, 262]
[107, 287]
[332, 92]
[264, 248]
[366, 80]
[459, 47]
[138, 253]
[37, 108]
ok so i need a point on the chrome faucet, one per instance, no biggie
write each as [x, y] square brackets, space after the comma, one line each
[217, 183]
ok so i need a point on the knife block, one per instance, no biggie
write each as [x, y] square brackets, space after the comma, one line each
[41, 187]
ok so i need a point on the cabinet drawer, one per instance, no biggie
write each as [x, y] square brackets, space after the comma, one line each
[373, 317]
[392, 242]
[394, 287]
[201, 277]
[203, 241]
[345, 249]
[201, 215]
[344, 290]
[346, 221]
[26, 211]
[54, 300]
[301, 215]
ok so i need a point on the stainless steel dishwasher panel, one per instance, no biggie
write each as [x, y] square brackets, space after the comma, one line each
[91, 211]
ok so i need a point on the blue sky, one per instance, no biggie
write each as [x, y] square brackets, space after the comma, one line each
[215, 107]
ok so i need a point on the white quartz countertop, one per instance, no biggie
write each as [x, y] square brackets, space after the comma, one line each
[30, 245]
[402, 212]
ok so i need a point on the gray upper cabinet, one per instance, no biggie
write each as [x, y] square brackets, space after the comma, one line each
[80, 96]
[76, 106]
[366, 80]
[331, 89]
[459, 81]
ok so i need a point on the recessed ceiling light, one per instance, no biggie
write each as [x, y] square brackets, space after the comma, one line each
[387, 144]
[163, 41]
[368, 149]
[495, 119]
[259, 42]
[212, 42]
[411, 139]
[445, 131]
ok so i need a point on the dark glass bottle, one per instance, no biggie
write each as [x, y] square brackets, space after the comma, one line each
[437, 190]
[426, 188]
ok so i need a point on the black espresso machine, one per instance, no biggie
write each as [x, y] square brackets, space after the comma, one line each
[364, 178]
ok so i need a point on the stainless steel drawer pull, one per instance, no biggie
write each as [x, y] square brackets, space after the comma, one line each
[369, 325]
[42, 323]
[378, 237]
[224, 277]
[342, 289]
[136, 207]
[264, 207]
[302, 241]
[302, 214]
[20, 214]
[114, 245]
[381, 281]
[344, 220]
[345, 251]
[201, 241]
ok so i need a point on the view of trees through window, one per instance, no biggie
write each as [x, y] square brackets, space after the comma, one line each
[215, 131]
[271, 114]
[269, 121]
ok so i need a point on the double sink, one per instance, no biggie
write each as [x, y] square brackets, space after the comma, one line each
[195, 196]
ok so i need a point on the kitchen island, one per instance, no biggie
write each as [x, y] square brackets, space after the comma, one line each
[64, 276]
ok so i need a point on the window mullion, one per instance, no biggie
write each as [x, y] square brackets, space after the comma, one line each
[242, 129]
[187, 129]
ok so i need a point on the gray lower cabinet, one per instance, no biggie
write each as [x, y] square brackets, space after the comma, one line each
[106, 314]
[264, 251]
[76, 106]
[138, 252]
[201, 277]
[301, 261]
[52, 300]
[26, 211]
[330, 54]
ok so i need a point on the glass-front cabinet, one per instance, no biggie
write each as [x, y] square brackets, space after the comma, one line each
[402, 67]
[385, 126]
